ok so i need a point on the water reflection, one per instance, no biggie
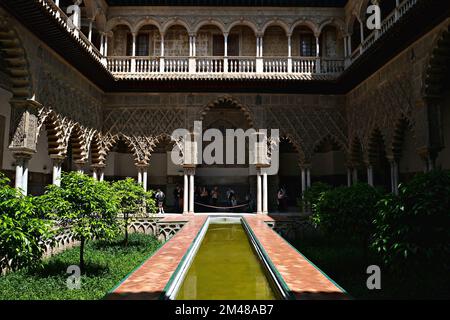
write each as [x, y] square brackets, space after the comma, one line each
[226, 268]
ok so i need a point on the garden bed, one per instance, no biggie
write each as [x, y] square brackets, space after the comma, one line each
[107, 263]
[345, 262]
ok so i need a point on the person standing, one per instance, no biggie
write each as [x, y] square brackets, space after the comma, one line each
[160, 196]
[177, 194]
[230, 195]
[280, 199]
[215, 196]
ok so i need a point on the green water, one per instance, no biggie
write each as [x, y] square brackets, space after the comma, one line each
[226, 268]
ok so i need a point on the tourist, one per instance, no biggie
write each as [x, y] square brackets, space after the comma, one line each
[177, 195]
[281, 194]
[215, 195]
[233, 201]
[249, 200]
[160, 196]
[230, 194]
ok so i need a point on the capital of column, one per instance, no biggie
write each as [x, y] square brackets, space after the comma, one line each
[305, 166]
[98, 166]
[57, 159]
[21, 155]
[141, 165]
[189, 170]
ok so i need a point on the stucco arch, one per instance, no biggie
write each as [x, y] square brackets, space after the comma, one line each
[331, 139]
[305, 23]
[145, 22]
[438, 67]
[16, 62]
[53, 126]
[276, 23]
[206, 22]
[376, 145]
[337, 23]
[297, 147]
[235, 103]
[243, 22]
[175, 22]
[114, 22]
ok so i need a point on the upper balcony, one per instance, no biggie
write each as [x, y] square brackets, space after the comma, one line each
[132, 45]
[241, 50]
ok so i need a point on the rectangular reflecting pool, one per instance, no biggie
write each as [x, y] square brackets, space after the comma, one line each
[226, 267]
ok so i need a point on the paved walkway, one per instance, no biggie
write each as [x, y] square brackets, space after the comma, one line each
[304, 280]
[149, 280]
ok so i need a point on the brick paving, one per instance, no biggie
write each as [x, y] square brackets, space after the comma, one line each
[149, 280]
[304, 280]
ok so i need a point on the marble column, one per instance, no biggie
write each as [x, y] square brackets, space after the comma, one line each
[355, 175]
[21, 182]
[101, 174]
[318, 68]
[349, 177]
[289, 53]
[94, 173]
[139, 177]
[308, 178]
[303, 179]
[186, 192]
[394, 176]
[161, 59]
[370, 175]
[191, 190]
[265, 199]
[258, 191]
[145, 178]
[56, 178]
[225, 60]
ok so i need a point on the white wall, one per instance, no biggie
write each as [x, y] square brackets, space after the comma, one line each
[41, 162]
[120, 164]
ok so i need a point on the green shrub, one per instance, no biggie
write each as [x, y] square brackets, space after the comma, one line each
[23, 230]
[133, 201]
[89, 208]
[313, 194]
[347, 212]
[413, 228]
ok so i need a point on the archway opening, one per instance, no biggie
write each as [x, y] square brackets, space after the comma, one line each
[275, 42]
[121, 43]
[40, 165]
[164, 174]
[304, 43]
[328, 163]
[225, 168]
[379, 162]
[120, 162]
[288, 178]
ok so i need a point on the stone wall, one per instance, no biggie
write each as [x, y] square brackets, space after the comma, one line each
[394, 95]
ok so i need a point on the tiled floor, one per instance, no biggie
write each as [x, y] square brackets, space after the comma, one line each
[304, 280]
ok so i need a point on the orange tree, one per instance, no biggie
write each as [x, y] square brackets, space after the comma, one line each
[87, 207]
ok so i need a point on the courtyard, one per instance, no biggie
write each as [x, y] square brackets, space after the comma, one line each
[228, 150]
